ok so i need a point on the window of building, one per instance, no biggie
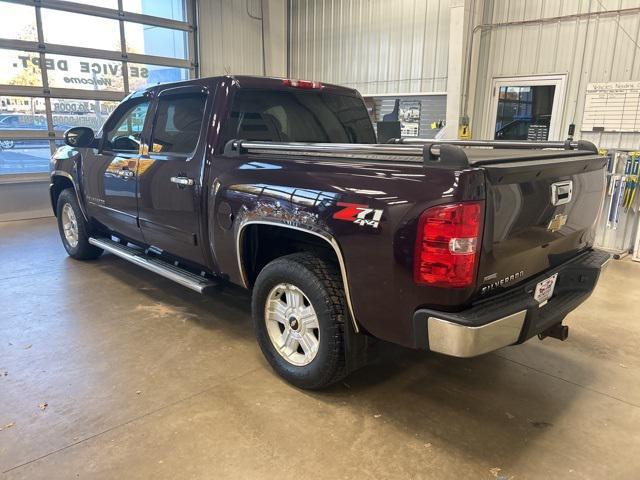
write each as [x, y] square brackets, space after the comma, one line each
[86, 61]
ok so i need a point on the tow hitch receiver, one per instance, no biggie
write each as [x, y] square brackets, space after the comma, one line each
[559, 331]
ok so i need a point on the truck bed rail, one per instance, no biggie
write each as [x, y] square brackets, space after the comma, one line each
[449, 154]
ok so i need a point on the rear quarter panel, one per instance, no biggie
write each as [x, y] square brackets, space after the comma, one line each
[310, 192]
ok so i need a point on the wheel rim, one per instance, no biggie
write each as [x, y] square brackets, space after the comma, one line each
[292, 324]
[70, 225]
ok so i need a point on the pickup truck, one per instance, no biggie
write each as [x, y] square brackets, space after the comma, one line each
[279, 186]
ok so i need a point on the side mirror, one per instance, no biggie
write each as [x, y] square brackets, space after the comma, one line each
[79, 137]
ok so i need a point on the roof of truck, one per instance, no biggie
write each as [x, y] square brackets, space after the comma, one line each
[252, 81]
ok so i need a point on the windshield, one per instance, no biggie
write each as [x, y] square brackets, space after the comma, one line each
[298, 116]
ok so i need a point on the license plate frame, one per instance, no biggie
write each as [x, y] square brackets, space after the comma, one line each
[544, 290]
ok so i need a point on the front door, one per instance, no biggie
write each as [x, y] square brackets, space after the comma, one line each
[110, 172]
[170, 174]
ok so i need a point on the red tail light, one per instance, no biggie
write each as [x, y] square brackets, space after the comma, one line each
[447, 245]
[307, 84]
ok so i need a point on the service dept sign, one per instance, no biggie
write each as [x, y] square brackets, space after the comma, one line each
[70, 72]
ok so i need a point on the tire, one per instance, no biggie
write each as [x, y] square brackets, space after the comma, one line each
[321, 287]
[76, 237]
[7, 144]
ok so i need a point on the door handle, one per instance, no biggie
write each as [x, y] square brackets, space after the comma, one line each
[182, 181]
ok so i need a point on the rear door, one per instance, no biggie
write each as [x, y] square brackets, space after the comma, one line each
[170, 173]
[109, 172]
[540, 213]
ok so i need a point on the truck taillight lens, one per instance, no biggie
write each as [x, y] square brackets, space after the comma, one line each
[447, 245]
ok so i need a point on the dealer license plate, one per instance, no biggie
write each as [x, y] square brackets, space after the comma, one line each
[544, 289]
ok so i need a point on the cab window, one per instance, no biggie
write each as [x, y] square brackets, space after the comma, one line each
[177, 124]
[124, 134]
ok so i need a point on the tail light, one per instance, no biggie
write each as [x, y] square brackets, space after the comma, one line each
[447, 245]
[306, 84]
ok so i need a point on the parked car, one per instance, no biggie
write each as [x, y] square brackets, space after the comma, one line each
[279, 186]
[26, 122]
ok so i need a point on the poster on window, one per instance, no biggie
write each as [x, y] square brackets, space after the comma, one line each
[409, 116]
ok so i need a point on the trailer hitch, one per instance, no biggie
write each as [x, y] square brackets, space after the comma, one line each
[559, 331]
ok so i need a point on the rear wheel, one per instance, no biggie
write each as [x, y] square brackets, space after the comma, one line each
[73, 228]
[7, 144]
[299, 313]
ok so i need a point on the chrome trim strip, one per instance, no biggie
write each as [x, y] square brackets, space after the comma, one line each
[326, 237]
[184, 280]
[465, 341]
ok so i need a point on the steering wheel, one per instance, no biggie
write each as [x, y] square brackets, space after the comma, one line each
[126, 142]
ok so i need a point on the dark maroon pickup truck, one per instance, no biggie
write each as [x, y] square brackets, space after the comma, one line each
[279, 186]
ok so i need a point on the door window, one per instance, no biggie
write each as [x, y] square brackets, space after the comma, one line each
[524, 112]
[124, 134]
[178, 124]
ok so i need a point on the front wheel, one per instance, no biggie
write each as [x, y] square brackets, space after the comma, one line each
[73, 228]
[299, 317]
[7, 144]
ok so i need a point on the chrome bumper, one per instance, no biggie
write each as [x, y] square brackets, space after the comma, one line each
[512, 317]
[465, 341]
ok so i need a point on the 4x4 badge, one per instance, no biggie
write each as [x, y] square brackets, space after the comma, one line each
[359, 214]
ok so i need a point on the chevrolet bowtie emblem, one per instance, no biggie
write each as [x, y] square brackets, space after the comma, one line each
[557, 222]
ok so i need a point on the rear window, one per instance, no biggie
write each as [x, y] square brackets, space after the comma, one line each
[304, 116]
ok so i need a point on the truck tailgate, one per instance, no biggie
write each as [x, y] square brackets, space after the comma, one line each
[540, 212]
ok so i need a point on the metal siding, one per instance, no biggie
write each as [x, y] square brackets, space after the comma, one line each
[558, 47]
[230, 40]
[376, 46]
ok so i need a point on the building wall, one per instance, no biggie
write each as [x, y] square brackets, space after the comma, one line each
[586, 49]
[376, 46]
[230, 35]
[432, 109]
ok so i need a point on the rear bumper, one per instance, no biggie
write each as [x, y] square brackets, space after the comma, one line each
[512, 317]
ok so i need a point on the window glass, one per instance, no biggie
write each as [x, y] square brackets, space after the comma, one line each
[24, 156]
[172, 9]
[69, 113]
[124, 134]
[20, 68]
[23, 22]
[299, 116]
[22, 113]
[177, 124]
[98, 3]
[65, 28]
[524, 112]
[65, 71]
[152, 40]
[141, 75]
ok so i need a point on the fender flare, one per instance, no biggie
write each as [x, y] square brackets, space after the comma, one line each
[320, 234]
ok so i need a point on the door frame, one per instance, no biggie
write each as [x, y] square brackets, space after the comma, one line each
[558, 80]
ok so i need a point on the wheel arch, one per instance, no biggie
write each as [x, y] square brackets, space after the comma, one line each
[249, 268]
[61, 181]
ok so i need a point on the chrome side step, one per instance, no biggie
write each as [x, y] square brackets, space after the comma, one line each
[167, 270]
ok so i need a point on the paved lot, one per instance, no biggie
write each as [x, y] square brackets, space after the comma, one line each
[144, 379]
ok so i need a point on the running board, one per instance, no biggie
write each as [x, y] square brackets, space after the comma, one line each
[179, 275]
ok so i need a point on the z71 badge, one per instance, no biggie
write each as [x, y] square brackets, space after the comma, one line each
[359, 214]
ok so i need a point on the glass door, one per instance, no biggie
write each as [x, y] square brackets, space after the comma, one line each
[527, 108]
